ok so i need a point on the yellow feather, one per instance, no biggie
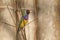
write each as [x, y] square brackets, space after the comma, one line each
[23, 23]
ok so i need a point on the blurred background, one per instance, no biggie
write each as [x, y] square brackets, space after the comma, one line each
[43, 23]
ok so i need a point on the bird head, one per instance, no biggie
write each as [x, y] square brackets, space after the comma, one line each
[28, 11]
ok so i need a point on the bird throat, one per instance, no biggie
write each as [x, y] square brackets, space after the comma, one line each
[26, 17]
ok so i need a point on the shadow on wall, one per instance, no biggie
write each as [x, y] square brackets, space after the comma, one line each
[58, 7]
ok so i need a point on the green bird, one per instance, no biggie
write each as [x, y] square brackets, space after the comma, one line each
[24, 19]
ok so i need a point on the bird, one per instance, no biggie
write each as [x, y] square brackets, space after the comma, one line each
[24, 19]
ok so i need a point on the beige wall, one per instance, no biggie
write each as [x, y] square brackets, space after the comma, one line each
[7, 32]
[48, 26]
[49, 21]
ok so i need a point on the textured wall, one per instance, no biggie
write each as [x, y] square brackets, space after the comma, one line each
[49, 21]
[48, 27]
[7, 32]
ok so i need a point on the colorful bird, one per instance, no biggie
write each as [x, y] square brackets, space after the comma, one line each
[24, 19]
